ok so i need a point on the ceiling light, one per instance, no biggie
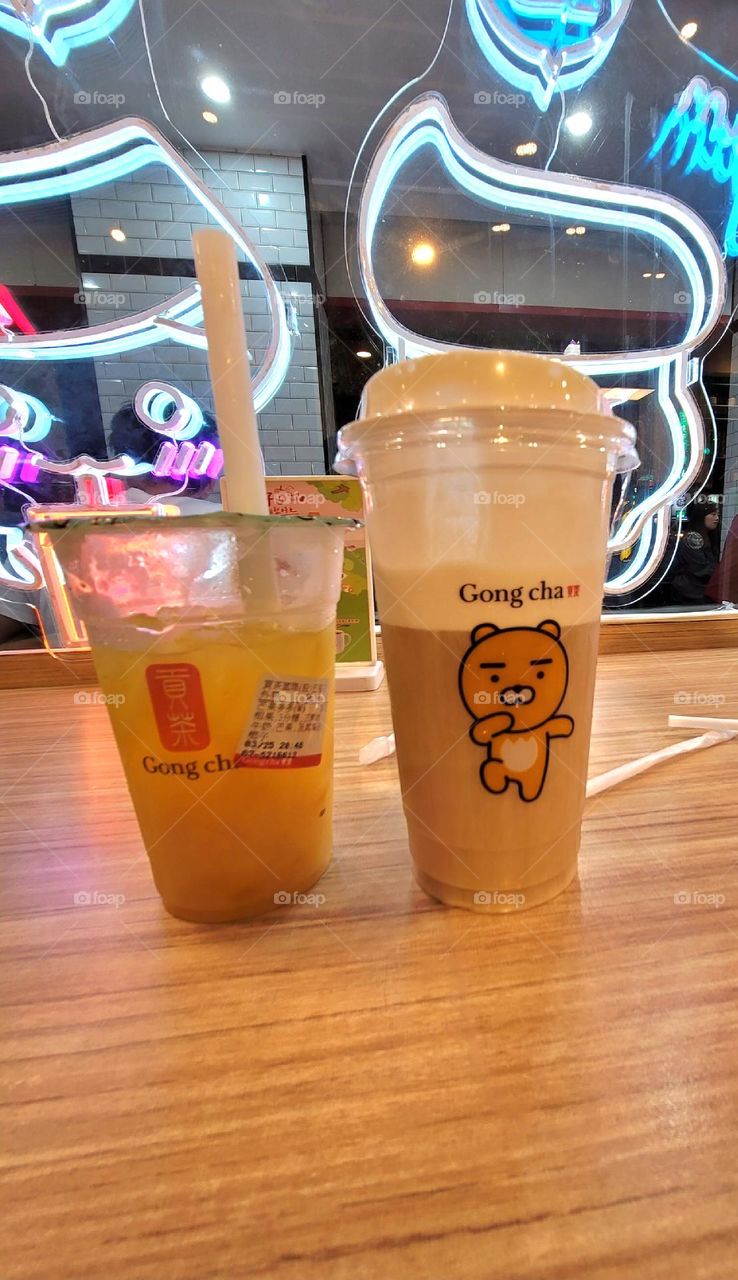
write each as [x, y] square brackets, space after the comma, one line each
[526, 149]
[688, 30]
[581, 231]
[660, 275]
[364, 355]
[501, 226]
[117, 234]
[216, 89]
[571, 231]
[210, 117]
[647, 275]
[579, 123]
[423, 253]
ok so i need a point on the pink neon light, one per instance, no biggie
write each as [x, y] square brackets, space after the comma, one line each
[203, 458]
[215, 468]
[164, 459]
[184, 457]
[30, 467]
[9, 459]
[15, 311]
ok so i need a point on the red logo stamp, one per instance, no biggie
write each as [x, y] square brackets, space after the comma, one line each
[176, 696]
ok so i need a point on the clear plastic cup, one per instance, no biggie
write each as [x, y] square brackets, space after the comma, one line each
[488, 478]
[214, 642]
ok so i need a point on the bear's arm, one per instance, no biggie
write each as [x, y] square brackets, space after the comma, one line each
[560, 727]
[489, 727]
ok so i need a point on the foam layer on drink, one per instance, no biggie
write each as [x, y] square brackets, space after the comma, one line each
[461, 534]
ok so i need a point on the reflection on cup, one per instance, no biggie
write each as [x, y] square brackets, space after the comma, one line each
[490, 610]
[213, 639]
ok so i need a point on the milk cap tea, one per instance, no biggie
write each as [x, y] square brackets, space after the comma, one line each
[488, 478]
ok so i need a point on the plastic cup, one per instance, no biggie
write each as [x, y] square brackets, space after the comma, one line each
[214, 642]
[488, 478]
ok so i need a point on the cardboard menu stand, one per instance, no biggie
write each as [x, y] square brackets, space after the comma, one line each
[357, 666]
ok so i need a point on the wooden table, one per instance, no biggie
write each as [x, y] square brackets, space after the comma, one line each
[378, 1087]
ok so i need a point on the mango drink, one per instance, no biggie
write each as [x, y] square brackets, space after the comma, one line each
[191, 799]
[214, 643]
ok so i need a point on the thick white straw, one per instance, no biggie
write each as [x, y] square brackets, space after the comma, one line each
[614, 776]
[217, 272]
[701, 722]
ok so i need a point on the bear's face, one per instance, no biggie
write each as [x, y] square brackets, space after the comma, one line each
[521, 670]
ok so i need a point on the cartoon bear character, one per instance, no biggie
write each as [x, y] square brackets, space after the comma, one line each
[513, 682]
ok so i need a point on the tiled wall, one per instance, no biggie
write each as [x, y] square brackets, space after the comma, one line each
[266, 194]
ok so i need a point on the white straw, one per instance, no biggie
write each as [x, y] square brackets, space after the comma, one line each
[244, 490]
[378, 749]
[614, 776]
[701, 722]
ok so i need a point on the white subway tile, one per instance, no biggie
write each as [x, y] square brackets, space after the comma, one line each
[118, 209]
[279, 453]
[292, 185]
[270, 164]
[160, 212]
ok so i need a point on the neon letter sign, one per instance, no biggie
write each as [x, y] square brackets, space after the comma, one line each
[700, 130]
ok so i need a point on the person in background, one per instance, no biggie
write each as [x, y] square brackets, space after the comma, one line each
[723, 585]
[696, 556]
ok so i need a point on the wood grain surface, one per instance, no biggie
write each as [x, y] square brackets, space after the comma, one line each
[378, 1087]
[635, 633]
[35, 668]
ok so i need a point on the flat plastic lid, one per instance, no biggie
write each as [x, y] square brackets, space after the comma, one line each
[458, 381]
[133, 521]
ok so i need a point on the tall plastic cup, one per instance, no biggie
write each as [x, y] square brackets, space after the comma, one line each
[214, 643]
[488, 478]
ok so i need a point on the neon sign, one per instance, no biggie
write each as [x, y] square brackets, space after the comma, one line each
[702, 135]
[12, 314]
[18, 464]
[97, 483]
[160, 406]
[168, 411]
[22, 464]
[23, 566]
[100, 156]
[58, 26]
[26, 418]
[427, 122]
[546, 46]
[188, 461]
